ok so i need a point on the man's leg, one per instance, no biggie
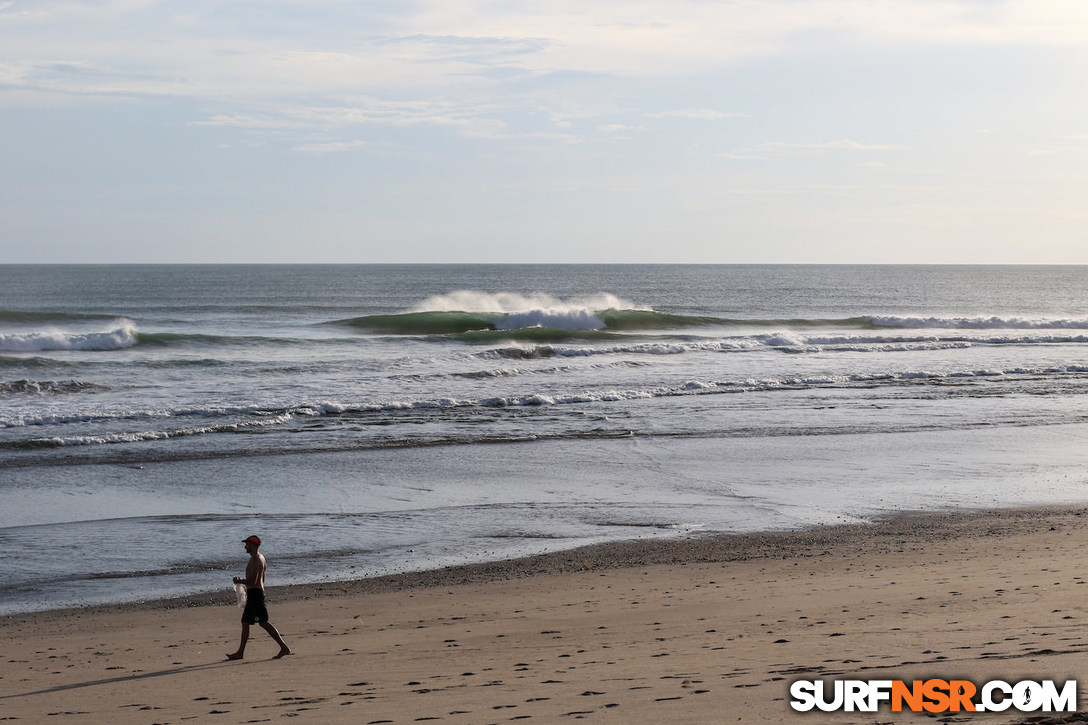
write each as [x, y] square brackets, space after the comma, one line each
[284, 649]
[242, 645]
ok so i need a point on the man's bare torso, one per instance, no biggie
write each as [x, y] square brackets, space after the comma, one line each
[255, 572]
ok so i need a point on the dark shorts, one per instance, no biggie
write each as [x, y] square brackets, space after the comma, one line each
[255, 610]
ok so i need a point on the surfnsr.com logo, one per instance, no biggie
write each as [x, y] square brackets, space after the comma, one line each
[933, 695]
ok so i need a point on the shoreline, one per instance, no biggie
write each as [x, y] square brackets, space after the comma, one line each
[703, 629]
[898, 528]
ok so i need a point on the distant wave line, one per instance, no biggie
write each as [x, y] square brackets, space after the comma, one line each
[544, 326]
[38, 317]
[450, 322]
[121, 337]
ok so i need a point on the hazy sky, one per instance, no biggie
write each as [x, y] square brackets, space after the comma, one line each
[550, 131]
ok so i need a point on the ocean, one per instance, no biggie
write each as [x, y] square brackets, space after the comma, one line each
[371, 419]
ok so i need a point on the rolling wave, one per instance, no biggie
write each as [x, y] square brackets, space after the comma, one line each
[581, 320]
[48, 387]
[260, 417]
[29, 362]
[419, 323]
[163, 339]
[470, 311]
[558, 322]
[546, 340]
[122, 337]
[541, 325]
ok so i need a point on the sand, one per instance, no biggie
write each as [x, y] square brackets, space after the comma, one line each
[704, 630]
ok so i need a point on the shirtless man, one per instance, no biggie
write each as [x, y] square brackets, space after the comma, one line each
[255, 611]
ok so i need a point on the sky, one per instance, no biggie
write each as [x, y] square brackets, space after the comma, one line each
[588, 131]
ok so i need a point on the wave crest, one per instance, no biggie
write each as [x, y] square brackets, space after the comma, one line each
[515, 302]
[120, 337]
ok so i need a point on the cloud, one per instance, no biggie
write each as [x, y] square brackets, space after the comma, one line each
[706, 114]
[331, 147]
[248, 121]
[1073, 144]
[781, 149]
[5, 7]
[489, 70]
[840, 145]
[444, 46]
[366, 112]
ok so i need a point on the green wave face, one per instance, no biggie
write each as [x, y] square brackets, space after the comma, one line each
[462, 323]
[420, 323]
[650, 320]
[474, 327]
[31, 362]
[170, 338]
[175, 338]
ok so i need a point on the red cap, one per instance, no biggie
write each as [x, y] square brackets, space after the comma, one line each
[252, 540]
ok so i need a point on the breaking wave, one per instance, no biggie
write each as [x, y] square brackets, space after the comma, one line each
[468, 311]
[515, 302]
[117, 338]
[473, 313]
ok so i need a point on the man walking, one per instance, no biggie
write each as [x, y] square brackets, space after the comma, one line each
[255, 611]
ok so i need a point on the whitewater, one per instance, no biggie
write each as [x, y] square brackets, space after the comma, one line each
[372, 418]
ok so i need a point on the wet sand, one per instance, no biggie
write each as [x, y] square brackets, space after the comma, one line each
[706, 629]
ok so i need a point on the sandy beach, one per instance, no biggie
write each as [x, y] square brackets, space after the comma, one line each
[700, 630]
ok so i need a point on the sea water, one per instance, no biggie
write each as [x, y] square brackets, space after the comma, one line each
[372, 419]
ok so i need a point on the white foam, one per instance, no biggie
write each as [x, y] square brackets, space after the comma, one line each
[793, 343]
[258, 416]
[117, 338]
[156, 435]
[516, 302]
[130, 414]
[48, 387]
[559, 319]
